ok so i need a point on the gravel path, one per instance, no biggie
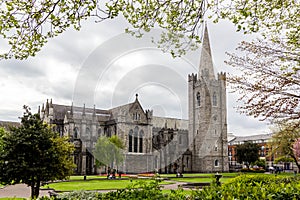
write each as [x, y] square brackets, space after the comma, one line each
[19, 190]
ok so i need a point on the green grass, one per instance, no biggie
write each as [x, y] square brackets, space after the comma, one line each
[87, 177]
[199, 180]
[199, 175]
[93, 185]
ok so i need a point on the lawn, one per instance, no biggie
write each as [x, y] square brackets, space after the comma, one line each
[199, 180]
[93, 185]
[199, 175]
[101, 183]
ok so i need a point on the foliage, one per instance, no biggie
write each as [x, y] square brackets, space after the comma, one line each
[283, 159]
[80, 194]
[27, 25]
[2, 134]
[296, 148]
[108, 151]
[260, 163]
[253, 187]
[269, 84]
[242, 187]
[33, 154]
[283, 140]
[247, 153]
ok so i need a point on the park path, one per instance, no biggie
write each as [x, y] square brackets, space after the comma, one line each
[23, 191]
[19, 190]
[173, 186]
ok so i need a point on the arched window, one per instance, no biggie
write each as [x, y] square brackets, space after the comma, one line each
[135, 140]
[214, 99]
[99, 132]
[76, 133]
[141, 141]
[216, 148]
[216, 163]
[130, 141]
[88, 133]
[179, 139]
[198, 98]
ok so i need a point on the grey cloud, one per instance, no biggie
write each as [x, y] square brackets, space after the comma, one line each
[21, 69]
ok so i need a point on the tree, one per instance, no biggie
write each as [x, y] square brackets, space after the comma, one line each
[2, 134]
[284, 142]
[270, 83]
[27, 25]
[108, 151]
[33, 154]
[296, 148]
[260, 163]
[247, 153]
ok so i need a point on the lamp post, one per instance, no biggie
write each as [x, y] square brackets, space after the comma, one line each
[218, 176]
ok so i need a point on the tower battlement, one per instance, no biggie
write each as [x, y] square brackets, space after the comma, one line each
[222, 76]
[192, 77]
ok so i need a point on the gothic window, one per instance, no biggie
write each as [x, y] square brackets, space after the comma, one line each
[179, 139]
[141, 141]
[135, 140]
[99, 132]
[216, 163]
[88, 133]
[76, 133]
[198, 98]
[214, 99]
[130, 141]
[187, 161]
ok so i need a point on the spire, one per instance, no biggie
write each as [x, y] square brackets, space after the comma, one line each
[206, 68]
[43, 109]
[83, 112]
[72, 109]
[47, 108]
[39, 110]
[136, 97]
[94, 111]
[51, 106]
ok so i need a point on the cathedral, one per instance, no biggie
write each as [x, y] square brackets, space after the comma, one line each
[153, 143]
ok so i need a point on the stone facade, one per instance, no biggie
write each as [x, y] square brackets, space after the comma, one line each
[152, 143]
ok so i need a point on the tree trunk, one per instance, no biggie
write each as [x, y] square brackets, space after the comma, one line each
[296, 161]
[35, 190]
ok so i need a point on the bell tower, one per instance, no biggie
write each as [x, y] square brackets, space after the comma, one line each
[207, 115]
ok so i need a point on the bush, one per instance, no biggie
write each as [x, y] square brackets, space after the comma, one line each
[242, 187]
[253, 187]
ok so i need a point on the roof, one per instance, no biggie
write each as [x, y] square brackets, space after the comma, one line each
[161, 122]
[7, 124]
[258, 137]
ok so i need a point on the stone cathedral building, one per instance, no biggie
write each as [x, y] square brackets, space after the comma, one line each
[168, 145]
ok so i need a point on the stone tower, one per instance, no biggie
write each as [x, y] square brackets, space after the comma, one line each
[207, 115]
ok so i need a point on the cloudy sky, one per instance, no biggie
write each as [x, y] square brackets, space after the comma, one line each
[103, 66]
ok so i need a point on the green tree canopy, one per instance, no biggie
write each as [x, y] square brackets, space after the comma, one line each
[33, 153]
[283, 142]
[27, 25]
[247, 153]
[2, 134]
[108, 151]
